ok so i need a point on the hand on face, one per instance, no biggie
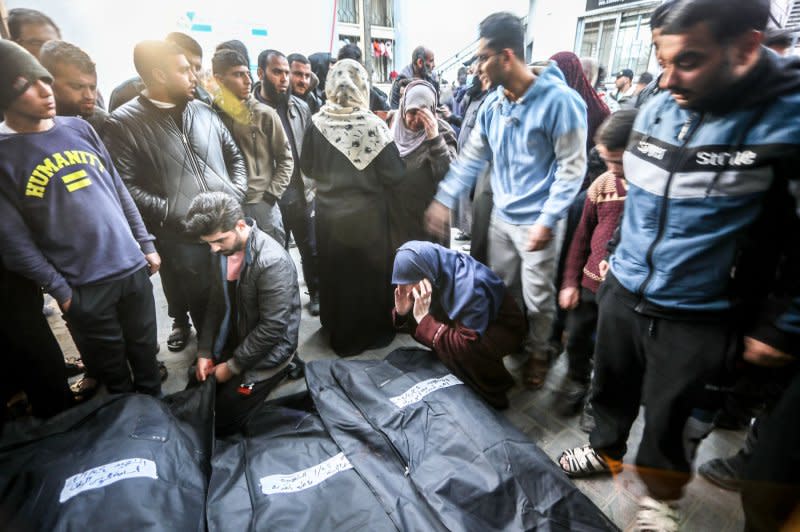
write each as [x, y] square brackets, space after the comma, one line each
[429, 123]
[422, 299]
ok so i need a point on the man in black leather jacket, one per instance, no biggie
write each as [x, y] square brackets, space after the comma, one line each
[167, 149]
[249, 339]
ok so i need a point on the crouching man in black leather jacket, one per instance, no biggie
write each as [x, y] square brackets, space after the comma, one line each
[168, 149]
[249, 339]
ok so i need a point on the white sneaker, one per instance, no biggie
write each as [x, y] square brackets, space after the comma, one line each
[656, 516]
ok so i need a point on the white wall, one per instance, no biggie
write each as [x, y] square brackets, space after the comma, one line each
[553, 25]
[444, 26]
[108, 29]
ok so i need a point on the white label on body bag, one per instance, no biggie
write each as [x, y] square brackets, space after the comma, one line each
[417, 392]
[307, 478]
[102, 476]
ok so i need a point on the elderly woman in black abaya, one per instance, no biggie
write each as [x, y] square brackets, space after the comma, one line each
[350, 154]
[428, 146]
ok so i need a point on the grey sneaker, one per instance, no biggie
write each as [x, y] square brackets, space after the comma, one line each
[725, 472]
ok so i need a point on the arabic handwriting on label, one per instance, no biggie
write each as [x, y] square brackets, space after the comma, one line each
[101, 476]
[417, 392]
[307, 478]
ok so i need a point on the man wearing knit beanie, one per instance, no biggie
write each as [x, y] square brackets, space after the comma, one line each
[20, 71]
[70, 225]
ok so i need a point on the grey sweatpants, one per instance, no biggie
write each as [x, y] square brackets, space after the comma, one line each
[529, 275]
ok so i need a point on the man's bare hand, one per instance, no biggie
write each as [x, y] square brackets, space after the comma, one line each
[205, 366]
[153, 262]
[65, 306]
[437, 219]
[568, 298]
[223, 372]
[761, 354]
[538, 237]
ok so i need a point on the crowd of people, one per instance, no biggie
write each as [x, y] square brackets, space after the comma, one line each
[651, 235]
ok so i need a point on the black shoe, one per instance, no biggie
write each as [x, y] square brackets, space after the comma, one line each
[162, 371]
[725, 472]
[297, 368]
[730, 420]
[462, 237]
[571, 397]
[178, 337]
[313, 304]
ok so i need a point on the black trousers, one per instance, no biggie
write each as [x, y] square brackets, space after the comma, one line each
[186, 271]
[662, 363]
[31, 357]
[771, 491]
[232, 407]
[297, 220]
[581, 325]
[482, 205]
[114, 324]
[573, 219]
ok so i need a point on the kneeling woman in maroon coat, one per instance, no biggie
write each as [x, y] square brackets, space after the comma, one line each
[460, 309]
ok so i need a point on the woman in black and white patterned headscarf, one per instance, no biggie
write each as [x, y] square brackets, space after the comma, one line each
[350, 154]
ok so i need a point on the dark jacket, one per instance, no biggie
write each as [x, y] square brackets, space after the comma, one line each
[709, 224]
[131, 88]
[407, 73]
[471, 104]
[165, 168]
[267, 310]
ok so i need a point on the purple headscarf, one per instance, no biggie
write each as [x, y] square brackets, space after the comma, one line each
[468, 291]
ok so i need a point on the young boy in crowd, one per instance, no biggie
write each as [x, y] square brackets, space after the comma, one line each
[583, 271]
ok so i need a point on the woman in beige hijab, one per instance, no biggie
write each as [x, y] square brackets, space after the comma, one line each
[350, 154]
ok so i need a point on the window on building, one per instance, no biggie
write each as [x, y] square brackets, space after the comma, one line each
[347, 11]
[633, 43]
[381, 14]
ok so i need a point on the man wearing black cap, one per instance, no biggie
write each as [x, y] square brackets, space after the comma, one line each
[70, 225]
[626, 91]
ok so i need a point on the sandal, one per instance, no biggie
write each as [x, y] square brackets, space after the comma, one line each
[83, 389]
[584, 461]
[535, 372]
[178, 338]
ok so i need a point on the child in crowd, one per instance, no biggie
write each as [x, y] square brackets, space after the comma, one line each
[583, 272]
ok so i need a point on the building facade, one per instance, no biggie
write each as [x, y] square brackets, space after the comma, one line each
[377, 29]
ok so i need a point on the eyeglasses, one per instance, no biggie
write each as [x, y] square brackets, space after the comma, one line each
[482, 58]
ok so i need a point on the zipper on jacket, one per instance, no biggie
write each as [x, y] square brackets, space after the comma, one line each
[255, 150]
[201, 182]
[687, 132]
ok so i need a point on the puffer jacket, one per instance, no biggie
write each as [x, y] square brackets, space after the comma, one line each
[267, 311]
[258, 131]
[164, 168]
[709, 225]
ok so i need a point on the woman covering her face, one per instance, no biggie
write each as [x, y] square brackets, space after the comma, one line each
[427, 145]
[460, 309]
